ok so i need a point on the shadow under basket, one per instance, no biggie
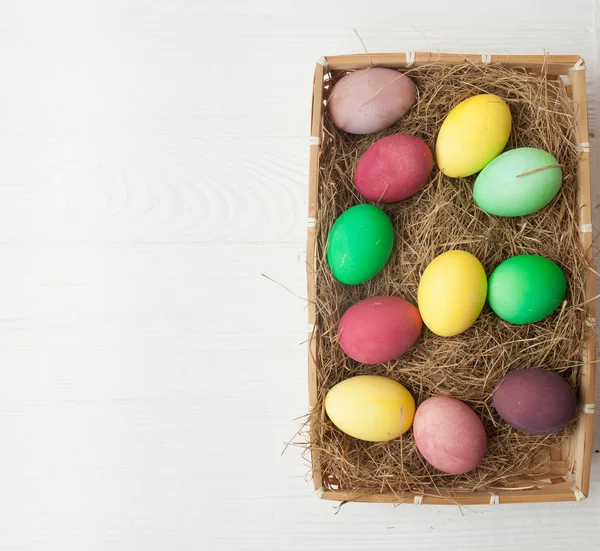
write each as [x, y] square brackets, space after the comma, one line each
[558, 466]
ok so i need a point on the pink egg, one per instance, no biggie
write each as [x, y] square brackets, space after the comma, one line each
[368, 101]
[449, 435]
[393, 168]
[379, 329]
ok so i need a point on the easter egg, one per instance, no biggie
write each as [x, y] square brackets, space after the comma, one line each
[360, 243]
[449, 435]
[526, 288]
[393, 168]
[452, 293]
[370, 100]
[379, 329]
[370, 407]
[473, 133]
[517, 182]
[535, 401]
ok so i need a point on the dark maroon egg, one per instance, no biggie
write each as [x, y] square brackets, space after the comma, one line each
[379, 329]
[393, 168]
[535, 401]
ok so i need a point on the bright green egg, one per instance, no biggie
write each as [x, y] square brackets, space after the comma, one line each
[513, 185]
[526, 288]
[360, 243]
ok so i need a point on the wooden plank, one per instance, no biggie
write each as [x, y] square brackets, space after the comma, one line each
[587, 392]
[475, 498]
[557, 64]
[311, 254]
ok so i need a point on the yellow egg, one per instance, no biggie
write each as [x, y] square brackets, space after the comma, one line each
[473, 133]
[370, 407]
[452, 293]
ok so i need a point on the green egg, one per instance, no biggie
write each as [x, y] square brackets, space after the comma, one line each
[360, 243]
[526, 288]
[513, 185]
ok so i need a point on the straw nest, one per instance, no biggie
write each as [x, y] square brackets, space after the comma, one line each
[442, 217]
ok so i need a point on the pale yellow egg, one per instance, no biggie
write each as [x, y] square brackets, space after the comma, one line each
[370, 407]
[473, 133]
[452, 293]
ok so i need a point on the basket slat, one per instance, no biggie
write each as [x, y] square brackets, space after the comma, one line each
[587, 383]
[556, 64]
[311, 249]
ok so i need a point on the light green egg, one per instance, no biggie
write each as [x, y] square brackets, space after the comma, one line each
[513, 184]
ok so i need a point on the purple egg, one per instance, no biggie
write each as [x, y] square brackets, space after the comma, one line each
[535, 401]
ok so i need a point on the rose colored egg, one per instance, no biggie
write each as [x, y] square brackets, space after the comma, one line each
[393, 168]
[449, 435]
[535, 401]
[368, 101]
[379, 329]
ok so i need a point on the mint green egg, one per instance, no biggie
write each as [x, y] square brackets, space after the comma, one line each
[360, 243]
[513, 185]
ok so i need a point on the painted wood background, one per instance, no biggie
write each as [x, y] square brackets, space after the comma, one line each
[153, 164]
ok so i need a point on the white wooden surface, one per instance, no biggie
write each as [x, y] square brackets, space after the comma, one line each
[153, 163]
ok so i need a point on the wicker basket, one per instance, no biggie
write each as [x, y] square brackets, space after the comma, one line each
[571, 69]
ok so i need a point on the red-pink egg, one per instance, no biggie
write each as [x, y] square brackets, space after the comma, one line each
[379, 329]
[449, 435]
[370, 100]
[393, 168]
